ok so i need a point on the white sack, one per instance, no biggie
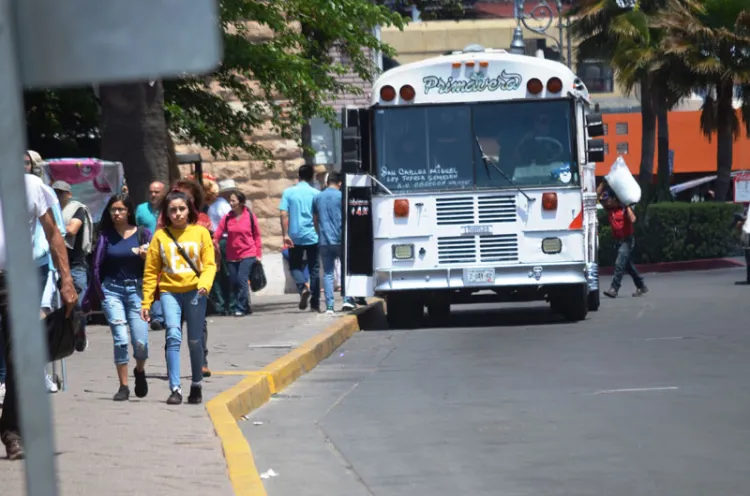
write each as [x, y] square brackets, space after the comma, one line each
[745, 236]
[623, 183]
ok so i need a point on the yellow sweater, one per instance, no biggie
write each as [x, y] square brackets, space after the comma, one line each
[164, 258]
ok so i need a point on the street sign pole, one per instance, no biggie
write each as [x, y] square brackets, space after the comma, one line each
[29, 350]
[50, 44]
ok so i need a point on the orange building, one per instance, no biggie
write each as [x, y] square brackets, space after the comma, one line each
[693, 154]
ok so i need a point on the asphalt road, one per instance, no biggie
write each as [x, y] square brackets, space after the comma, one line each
[648, 396]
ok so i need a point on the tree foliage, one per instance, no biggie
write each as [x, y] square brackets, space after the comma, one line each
[270, 78]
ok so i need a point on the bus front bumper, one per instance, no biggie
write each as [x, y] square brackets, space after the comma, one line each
[481, 277]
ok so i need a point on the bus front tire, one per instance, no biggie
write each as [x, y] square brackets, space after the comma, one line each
[594, 300]
[404, 311]
[576, 305]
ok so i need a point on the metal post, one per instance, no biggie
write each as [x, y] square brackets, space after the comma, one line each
[29, 350]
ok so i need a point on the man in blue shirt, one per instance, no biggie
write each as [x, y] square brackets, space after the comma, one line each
[327, 209]
[147, 213]
[298, 230]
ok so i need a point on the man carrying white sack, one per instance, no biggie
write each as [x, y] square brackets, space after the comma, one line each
[621, 220]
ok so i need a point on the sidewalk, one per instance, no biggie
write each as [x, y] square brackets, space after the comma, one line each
[144, 447]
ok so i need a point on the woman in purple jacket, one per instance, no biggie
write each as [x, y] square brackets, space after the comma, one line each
[117, 285]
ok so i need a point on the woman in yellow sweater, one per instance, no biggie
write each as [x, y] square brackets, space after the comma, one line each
[182, 253]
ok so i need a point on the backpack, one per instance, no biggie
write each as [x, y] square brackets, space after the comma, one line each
[88, 227]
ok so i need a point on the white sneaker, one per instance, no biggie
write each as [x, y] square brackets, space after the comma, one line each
[51, 385]
[2, 393]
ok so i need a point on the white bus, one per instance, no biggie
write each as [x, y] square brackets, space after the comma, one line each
[470, 177]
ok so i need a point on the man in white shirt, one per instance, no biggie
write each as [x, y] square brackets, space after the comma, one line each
[39, 206]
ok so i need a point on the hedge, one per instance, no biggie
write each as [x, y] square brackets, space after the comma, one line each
[671, 232]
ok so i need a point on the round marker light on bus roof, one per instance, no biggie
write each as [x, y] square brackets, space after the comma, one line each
[554, 85]
[534, 86]
[407, 92]
[387, 93]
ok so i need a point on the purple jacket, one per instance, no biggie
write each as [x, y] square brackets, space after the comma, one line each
[94, 293]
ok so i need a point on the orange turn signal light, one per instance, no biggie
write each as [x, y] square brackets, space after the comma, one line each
[549, 201]
[401, 208]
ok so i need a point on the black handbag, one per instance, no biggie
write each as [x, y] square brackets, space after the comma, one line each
[257, 277]
[65, 335]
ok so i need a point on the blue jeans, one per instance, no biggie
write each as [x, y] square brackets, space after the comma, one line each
[175, 305]
[305, 272]
[239, 274]
[80, 277]
[624, 263]
[157, 314]
[296, 265]
[121, 307]
[328, 256]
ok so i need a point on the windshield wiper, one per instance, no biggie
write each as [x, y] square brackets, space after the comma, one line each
[488, 160]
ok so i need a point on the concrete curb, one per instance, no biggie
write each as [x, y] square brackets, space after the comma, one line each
[687, 265]
[258, 387]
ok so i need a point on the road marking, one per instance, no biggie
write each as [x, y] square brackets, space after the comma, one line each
[636, 390]
[666, 339]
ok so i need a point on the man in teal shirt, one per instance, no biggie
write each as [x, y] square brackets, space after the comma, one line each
[298, 230]
[147, 213]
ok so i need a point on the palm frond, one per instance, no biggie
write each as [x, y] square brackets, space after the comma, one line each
[708, 119]
[745, 108]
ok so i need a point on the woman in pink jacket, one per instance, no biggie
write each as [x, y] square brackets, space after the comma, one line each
[244, 248]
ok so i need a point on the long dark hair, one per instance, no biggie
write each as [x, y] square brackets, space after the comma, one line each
[106, 224]
[196, 190]
[177, 195]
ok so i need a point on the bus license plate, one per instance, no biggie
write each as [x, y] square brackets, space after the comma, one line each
[480, 276]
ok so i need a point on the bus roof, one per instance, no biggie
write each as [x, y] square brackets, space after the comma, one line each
[475, 76]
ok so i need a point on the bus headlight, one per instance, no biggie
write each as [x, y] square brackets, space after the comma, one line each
[403, 252]
[550, 246]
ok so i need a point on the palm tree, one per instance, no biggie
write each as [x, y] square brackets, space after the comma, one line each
[630, 39]
[712, 38]
[639, 59]
[605, 29]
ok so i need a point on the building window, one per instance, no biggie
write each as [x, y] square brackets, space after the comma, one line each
[605, 128]
[621, 128]
[622, 148]
[606, 148]
[598, 76]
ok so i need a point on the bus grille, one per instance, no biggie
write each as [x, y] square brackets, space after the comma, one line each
[457, 250]
[494, 209]
[498, 248]
[471, 210]
[451, 211]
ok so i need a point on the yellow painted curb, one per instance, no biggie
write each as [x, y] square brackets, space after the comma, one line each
[257, 388]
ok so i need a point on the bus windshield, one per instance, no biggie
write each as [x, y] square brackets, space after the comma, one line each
[439, 147]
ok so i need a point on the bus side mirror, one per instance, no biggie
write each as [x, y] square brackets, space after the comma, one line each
[595, 125]
[355, 140]
[350, 150]
[595, 151]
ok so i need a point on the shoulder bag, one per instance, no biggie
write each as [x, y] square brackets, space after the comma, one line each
[183, 252]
